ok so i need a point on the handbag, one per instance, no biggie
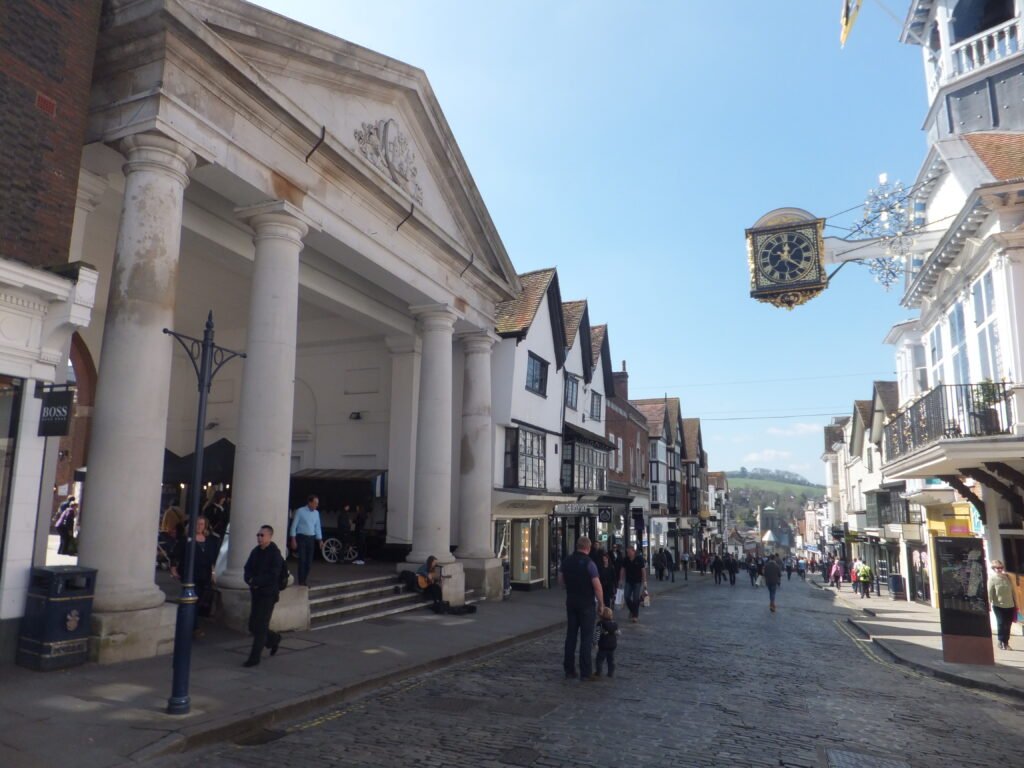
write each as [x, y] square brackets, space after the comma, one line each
[620, 597]
[646, 598]
[760, 580]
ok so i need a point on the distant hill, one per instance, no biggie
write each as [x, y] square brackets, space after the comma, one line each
[788, 498]
[770, 474]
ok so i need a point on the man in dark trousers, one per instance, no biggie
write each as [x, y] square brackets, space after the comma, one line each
[772, 579]
[263, 575]
[583, 594]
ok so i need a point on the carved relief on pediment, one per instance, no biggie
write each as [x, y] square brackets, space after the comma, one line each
[388, 149]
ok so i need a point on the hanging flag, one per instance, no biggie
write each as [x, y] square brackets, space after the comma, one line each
[850, 10]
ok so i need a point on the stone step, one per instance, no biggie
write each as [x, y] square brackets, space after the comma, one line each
[320, 601]
[348, 587]
[346, 613]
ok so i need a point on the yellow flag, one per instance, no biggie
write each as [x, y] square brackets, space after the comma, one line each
[849, 15]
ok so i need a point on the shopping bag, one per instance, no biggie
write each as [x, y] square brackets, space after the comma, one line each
[646, 597]
[760, 580]
[620, 597]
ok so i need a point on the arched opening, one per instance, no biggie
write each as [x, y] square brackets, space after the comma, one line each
[972, 17]
[72, 452]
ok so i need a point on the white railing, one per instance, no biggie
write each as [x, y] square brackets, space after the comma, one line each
[990, 46]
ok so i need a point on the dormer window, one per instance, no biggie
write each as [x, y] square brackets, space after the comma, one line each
[537, 375]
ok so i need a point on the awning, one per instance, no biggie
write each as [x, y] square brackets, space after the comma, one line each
[338, 474]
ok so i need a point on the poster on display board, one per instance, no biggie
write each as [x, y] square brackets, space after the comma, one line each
[963, 595]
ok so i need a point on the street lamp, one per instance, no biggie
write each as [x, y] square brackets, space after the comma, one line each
[206, 359]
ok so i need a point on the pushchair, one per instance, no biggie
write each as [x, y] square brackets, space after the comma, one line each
[164, 550]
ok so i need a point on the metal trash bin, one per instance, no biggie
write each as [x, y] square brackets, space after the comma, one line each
[897, 587]
[55, 628]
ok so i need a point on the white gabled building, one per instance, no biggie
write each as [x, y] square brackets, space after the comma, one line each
[528, 398]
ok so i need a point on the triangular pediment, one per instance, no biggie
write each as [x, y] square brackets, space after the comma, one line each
[384, 111]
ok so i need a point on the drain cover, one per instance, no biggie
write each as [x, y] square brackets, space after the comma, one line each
[844, 758]
[519, 756]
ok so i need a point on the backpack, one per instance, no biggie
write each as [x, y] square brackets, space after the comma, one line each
[282, 580]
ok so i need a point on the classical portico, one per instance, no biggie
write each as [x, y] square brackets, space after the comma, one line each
[329, 222]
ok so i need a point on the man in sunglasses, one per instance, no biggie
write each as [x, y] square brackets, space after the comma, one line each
[262, 574]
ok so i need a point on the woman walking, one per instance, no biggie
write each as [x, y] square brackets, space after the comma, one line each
[1000, 595]
[836, 575]
[609, 578]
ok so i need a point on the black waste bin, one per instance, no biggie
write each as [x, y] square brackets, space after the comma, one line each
[55, 628]
[897, 588]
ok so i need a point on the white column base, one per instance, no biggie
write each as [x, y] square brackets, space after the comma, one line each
[484, 576]
[453, 583]
[128, 635]
[291, 613]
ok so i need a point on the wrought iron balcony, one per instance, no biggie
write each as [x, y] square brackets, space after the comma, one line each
[948, 412]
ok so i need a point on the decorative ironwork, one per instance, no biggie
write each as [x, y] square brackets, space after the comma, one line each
[387, 148]
[950, 412]
[887, 217]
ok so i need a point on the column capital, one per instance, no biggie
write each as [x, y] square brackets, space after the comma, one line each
[277, 218]
[403, 345]
[435, 317]
[152, 152]
[477, 342]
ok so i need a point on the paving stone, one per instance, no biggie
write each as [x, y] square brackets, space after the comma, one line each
[708, 678]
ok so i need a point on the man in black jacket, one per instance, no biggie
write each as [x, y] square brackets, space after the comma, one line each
[262, 574]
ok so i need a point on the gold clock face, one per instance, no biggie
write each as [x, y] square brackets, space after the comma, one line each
[786, 257]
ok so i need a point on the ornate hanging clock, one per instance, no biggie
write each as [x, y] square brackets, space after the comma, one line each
[786, 254]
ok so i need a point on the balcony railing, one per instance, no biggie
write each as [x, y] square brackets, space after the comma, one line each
[950, 411]
[988, 47]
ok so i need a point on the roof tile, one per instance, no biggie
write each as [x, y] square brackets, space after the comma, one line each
[1002, 152]
[516, 315]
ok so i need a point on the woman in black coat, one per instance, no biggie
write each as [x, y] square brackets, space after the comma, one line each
[609, 579]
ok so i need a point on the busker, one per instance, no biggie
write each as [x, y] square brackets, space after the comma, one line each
[583, 594]
[263, 575]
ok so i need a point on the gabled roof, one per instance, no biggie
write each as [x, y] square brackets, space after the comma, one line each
[572, 313]
[1001, 152]
[861, 424]
[692, 440]
[513, 318]
[600, 349]
[888, 394]
[656, 413]
[862, 408]
[576, 316]
[833, 435]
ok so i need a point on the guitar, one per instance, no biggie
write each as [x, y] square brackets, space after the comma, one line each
[422, 581]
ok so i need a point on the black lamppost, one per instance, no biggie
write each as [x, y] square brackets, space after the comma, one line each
[206, 359]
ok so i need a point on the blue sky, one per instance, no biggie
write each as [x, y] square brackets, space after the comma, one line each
[630, 145]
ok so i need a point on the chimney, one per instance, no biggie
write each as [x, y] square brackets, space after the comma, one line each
[621, 379]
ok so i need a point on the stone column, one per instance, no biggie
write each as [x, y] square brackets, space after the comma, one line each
[431, 529]
[476, 472]
[405, 378]
[263, 455]
[121, 508]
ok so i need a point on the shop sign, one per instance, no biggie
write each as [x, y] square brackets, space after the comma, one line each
[963, 599]
[604, 514]
[572, 509]
[55, 414]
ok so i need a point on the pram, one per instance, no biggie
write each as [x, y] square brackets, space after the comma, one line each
[164, 550]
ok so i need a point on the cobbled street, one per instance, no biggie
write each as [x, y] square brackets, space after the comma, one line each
[707, 678]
